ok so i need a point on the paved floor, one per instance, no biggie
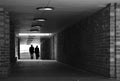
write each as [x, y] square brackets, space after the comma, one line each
[50, 71]
[26, 55]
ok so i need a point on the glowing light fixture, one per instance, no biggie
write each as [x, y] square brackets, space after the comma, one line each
[45, 8]
[40, 19]
[36, 26]
[35, 34]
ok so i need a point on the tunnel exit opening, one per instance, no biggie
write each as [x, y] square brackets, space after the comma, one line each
[44, 42]
[24, 51]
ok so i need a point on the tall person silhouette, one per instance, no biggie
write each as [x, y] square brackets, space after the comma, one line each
[37, 52]
[31, 50]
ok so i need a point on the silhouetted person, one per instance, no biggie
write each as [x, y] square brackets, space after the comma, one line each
[31, 50]
[37, 52]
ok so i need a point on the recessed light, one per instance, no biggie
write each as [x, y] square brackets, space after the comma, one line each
[40, 19]
[45, 8]
[36, 26]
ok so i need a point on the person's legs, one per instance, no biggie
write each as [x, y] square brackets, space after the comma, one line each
[37, 56]
[31, 56]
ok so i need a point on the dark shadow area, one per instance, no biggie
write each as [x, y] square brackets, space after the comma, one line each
[49, 71]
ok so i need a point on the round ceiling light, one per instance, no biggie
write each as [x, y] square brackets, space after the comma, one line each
[45, 8]
[36, 26]
[40, 19]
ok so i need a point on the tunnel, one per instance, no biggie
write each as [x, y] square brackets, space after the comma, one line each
[74, 45]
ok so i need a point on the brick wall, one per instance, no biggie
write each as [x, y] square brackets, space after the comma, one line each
[5, 61]
[97, 40]
[112, 42]
[4, 42]
[117, 39]
[86, 44]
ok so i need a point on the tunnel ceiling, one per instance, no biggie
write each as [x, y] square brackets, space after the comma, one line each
[66, 12]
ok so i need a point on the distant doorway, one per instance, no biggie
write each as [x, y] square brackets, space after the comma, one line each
[24, 45]
[45, 44]
[24, 51]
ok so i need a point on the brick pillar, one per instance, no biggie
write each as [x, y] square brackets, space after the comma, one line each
[4, 42]
[115, 40]
[112, 42]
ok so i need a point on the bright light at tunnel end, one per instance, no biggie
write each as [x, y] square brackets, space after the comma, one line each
[35, 34]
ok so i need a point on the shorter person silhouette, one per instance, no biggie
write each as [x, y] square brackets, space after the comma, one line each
[31, 50]
[37, 52]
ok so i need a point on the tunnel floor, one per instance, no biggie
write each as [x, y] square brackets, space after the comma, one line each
[50, 71]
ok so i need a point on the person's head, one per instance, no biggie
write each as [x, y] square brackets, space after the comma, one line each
[37, 46]
[31, 45]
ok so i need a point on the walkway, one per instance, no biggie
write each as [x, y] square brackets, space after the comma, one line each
[50, 71]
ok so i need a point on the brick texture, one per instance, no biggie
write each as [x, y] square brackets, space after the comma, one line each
[112, 42]
[86, 44]
[5, 46]
[4, 42]
[117, 41]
